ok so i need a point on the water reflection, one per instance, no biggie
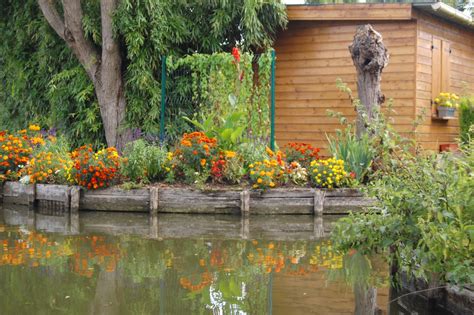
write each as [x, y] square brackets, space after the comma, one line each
[169, 264]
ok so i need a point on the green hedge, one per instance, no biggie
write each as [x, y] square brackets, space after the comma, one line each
[466, 118]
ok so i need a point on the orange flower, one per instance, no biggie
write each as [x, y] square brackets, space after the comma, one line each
[203, 162]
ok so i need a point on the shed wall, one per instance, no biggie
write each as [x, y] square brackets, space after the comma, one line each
[311, 55]
[439, 71]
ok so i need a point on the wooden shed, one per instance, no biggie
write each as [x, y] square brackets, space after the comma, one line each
[431, 48]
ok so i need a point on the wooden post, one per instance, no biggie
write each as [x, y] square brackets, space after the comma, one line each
[369, 56]
[245, 202]
[153, 220]
[245, 227]
[31, 194]
[319, 201]
[154, 200]
[318, 228]
[74, 197]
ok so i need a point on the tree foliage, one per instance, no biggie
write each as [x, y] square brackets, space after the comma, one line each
[43, 82]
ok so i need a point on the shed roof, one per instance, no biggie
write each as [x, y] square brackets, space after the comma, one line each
[376, 11]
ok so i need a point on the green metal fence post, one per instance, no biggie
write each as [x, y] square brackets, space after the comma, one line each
[272, 99]
[163, 99]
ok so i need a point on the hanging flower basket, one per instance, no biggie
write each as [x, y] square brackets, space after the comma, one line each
[446, 104]
[446, 112]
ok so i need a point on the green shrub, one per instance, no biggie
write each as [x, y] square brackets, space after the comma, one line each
[466, 118]
[144, 162]
[357, 152]
[423, 214]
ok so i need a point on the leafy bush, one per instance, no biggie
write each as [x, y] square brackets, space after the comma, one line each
[423, 215]
[466, 118]
[15, 149]
[193, 157]
[229, 130]
[357, 152]
[95, 170]
[144, 162]
[228, 168]
[49, 163]
[252, 152]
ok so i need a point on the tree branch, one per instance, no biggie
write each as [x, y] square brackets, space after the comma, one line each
[52, 16]
[74, 36]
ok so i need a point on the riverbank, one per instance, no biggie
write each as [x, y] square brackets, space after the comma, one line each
[169, 199]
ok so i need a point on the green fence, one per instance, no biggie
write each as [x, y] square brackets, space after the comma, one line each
[220, 88]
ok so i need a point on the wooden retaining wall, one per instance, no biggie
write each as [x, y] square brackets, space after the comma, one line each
[187, 200]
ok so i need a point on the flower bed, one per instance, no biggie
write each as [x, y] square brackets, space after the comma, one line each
[34, 156]
[244, 178]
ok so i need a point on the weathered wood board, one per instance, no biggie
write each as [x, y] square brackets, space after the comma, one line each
[53, 197]
[17, 193]
[115, 199]
[282, 201]
[184, 200]
[187, 200]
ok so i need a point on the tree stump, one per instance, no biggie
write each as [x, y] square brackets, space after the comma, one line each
[369, 56]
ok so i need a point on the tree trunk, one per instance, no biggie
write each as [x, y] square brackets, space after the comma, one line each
[104, 67]
[369, 56]
[112, 110]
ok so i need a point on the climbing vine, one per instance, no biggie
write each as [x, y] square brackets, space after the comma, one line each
[222, 84]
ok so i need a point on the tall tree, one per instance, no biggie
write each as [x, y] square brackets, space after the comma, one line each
[119, 46]
[104, 67]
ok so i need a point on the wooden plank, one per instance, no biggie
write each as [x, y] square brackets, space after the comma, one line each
[445, 66]
[353, 12]
[53, 192]
[345, 205]
[435, 70]
[302, 29]
[201, 207]
[115, 199]
[319, 52]
[171, 193]
[17, 193]
[390, 43]
[282, 193]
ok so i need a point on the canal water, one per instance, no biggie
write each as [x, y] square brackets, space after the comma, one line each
[119, 263]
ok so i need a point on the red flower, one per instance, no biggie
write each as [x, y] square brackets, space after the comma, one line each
[236, 54]
[352, 175]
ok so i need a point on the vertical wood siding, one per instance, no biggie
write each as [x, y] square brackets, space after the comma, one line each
[311, 55]
[448, 67]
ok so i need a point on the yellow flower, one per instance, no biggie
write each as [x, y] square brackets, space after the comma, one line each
[259, 180]
[262, 173]
[251, 166]
[272, 184]
[252, 172]
[34, 127]
[230, 154]
[269, 151]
